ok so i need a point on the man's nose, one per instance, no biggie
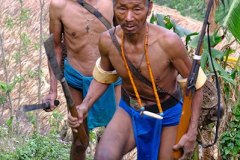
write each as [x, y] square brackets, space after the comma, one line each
[129, 16]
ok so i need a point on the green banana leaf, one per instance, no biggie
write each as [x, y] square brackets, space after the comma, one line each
[222, 11]
[232, 20]
[166, 22]
[222, 73]
[214, 40]
[204, 60]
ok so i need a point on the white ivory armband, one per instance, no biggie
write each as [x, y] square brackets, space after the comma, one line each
[103, 76]
[201, 79]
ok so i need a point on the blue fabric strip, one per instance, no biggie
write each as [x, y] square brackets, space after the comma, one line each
[148, 130]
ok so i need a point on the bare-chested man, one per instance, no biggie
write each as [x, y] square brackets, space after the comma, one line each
[160, 56]
[80, 31]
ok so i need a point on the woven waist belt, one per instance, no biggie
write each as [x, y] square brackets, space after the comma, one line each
[168, 103]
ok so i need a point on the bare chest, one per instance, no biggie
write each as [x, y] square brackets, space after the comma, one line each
[80, 22]
[160, 66]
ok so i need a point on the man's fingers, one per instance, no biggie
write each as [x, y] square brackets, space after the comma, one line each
[71, 118]
[73, 122]
[180, 144]
[74, 119]
[51, 107]
[183, 157]
[186, 156]
[75, 130]
[81, 113]
[75, 125]
[47, 110]
[177, 146]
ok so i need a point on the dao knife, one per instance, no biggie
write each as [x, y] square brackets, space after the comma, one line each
[49, 47]
[32, 107]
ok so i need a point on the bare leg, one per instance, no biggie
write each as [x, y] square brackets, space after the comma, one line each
[117, 94]
[118, 138]
[167, 142]
[77, 150]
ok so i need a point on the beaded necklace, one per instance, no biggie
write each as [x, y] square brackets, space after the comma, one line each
[149, 71]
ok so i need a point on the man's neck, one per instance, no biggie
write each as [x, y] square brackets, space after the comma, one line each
[137, 37]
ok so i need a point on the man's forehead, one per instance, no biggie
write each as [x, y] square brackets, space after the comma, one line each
[130, 1]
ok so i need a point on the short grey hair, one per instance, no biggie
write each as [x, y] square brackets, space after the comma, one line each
[147, 3]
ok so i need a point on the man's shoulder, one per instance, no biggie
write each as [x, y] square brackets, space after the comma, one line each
[164, 36]
[106, 43]
[105, 2]
[58, 4]
[105, 38]
[106, 8]
[108, 38]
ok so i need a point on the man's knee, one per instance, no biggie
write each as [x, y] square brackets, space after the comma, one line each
[104, 155]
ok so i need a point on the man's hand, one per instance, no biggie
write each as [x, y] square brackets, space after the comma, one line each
[50, 98]
[75, 122]
[187, 143]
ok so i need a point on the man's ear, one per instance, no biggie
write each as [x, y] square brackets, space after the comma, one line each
[150, 6]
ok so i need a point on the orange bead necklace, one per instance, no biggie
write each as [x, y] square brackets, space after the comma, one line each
[149, 71]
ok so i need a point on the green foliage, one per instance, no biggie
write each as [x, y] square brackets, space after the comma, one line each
[32, 117]
[34, 73]
[17, 56]
[24, 14]
[222, 11]
[192, 40]
[166, 22]
[3, 131]
[3, 99]
[9, 23]
[232, 20]
[40, 147]
[9, 122]
[230, 139]
[6, 88]
[55, 121]
[25, 39]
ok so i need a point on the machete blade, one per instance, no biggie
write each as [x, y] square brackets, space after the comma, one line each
[31, 107]
[49, 47]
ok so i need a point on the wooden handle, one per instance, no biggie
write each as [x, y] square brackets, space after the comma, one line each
[81, 135]
[184, 123]
[177, 154]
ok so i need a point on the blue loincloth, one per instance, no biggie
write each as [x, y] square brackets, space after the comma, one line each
[103, 109]
[147, 130]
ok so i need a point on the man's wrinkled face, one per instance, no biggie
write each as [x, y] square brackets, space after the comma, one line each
[131, 14]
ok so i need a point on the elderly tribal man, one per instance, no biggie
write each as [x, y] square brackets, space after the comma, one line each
[145, 118]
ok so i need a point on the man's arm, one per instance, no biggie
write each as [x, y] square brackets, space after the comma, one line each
[55, 27]
[96, 88]
[187, 141]
[182, 63]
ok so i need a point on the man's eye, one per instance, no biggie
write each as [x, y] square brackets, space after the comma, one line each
[122, 8]
[137, 9]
